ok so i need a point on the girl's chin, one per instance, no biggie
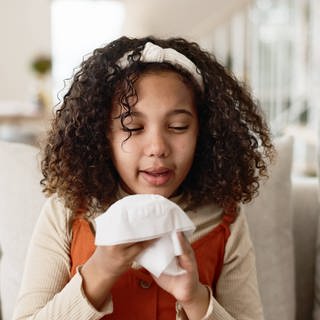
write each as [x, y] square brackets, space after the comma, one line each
[162, 191]
[155, 191]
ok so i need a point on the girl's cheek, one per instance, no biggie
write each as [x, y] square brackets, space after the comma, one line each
[128, 146]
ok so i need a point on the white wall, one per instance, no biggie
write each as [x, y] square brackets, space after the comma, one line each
[192, 19]
[24, 33]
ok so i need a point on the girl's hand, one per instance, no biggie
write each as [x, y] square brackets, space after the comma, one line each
[104, 267]
[112, 261]
[186, 288]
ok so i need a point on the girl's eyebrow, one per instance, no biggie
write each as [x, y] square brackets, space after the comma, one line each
[170, 113]
[181, 111]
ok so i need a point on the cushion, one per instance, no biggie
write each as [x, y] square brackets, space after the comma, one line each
[316, 309]
[270, 223]
[305, 222]
[20, 204]
[316, 312]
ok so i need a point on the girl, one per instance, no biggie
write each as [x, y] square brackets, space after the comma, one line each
[148, 116]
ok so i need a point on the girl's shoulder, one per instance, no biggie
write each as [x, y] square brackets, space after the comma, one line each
[240, 222]
[205, 218]
[55, 214]
[208, 211]
[240, 239]
[55, 205]
[211, 215]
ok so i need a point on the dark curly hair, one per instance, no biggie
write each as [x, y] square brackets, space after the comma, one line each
[233, 149]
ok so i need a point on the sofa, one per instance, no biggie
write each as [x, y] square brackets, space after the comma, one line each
[283, 222]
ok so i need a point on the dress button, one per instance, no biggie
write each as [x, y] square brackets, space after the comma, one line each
[144, 284]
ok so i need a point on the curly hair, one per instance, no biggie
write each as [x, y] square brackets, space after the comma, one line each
[233, 149]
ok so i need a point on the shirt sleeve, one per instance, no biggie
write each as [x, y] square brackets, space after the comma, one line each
[46, 290]
[237, 293]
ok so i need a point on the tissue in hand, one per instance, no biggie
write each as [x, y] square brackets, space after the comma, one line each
[142, 217]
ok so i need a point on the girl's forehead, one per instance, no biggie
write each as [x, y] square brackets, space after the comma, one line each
[165, 89]
[163, 86]
[155, 91]
[160, 74]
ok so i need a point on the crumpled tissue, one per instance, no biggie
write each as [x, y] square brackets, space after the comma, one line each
[142, 217]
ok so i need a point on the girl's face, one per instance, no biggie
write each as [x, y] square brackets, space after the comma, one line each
[164, 125]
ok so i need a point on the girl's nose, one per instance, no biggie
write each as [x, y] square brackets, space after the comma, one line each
[157, 145]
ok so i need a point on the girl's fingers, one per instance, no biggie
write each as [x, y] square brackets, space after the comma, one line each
[187, 259]
[185, 245]
[133, 249]
[143, 244]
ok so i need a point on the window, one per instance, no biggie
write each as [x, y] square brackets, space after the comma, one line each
[78, 27]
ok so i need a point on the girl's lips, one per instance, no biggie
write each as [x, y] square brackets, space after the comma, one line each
[156, 177]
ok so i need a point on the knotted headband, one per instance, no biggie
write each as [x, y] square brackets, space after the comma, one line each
[154, 53]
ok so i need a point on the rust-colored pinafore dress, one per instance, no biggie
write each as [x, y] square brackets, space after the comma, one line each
[136, 295]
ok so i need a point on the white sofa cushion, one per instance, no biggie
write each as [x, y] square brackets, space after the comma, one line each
[20, 203]
[270, 224]
[307, 254]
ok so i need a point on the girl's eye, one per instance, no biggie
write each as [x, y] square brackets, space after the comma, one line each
[179, 128]
[133, 129]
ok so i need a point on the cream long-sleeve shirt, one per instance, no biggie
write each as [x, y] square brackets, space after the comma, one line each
[48, 293]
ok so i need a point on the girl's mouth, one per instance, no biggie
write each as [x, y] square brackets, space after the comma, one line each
[156, 177]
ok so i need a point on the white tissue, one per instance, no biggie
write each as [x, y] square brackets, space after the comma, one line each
[143, 217]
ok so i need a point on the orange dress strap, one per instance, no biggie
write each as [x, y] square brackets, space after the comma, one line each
[82, 244]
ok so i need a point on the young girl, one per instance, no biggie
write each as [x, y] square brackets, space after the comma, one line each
[148, 116]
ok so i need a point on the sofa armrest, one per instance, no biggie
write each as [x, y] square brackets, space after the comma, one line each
[20, 203]
[306, 210]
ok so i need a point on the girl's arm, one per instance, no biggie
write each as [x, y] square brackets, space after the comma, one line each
[46, 290]
[237, 295]
[237, 291]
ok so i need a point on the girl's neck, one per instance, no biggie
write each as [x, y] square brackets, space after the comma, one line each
[176, 197]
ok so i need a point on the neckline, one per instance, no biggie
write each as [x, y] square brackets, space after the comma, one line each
[178, 199]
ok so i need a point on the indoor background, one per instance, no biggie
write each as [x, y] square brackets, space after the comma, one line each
[270, 45]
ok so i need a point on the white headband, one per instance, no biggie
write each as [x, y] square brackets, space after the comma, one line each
[154, 53]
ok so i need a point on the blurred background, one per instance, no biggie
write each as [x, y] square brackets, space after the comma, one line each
[269, 44]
